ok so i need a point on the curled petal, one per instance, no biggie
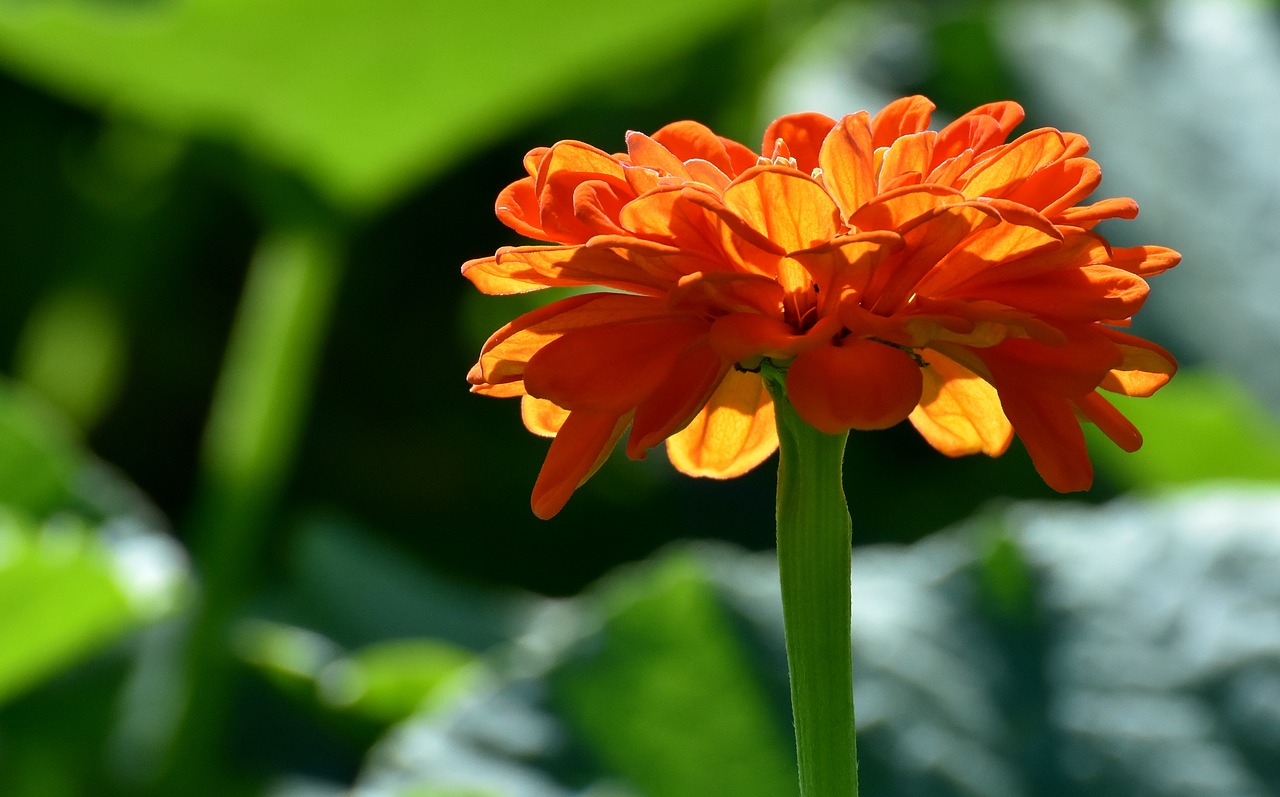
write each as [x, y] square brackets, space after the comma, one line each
[1088, 215]
[1006, 114]
[693, 141]
[581, 446]
[859, 384]
[645, 151]
[900, 118]
[732, 434]
[907, 160]
[542, 417]
[1144, 367]
[1145, 261]
[517, 207]
[959, 412]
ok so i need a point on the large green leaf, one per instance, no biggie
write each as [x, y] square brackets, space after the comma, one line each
[1047, 650]
[363, 98]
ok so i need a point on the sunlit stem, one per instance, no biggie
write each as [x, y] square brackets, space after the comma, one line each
[814, 556]
[258, 407]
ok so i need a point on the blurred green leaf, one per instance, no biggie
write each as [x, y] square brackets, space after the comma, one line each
[1201, 426]
[668, 697]
[81, 559]
[38, 458]
[362, 98]
[390, 681]
[59, 598]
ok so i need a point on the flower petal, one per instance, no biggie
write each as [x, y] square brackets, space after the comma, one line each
[859, 384]
[679, 398]
[1009, 167]
[1145, 261]
[846, 160]
[1111, 421]
[581, 446]
[542, 417]
[1144, 367]
[804, 134]
[959, 412]
[900, 118]
[1046, 424]
[645, 151]
[788, 208]
[610, 367]
[732, 434]
[694, 141]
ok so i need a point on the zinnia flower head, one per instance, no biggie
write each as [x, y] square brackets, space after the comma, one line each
[949, 278]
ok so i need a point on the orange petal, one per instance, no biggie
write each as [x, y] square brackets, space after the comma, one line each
[610, 368]
[541, 417]
[1014, 163]
[926, 245]
[495, 280]
[907, 160]
[1092, 293]
[732, 434]
[1144, 369]
[1088, 215]
[1145, 261]
[504, 355]
[959, 411]
[695, 141]
[896, 209]
[679, 398]
[517, 207]
[846, 160]
[789, 209]
[899, 118]
[1048, 428]
[575, 157]
[1058, 186]
[859, 384]
[976, 133]
[746, 337]
[1111, 421]
[645, 151]
[579, 449]
[1006, 113]
[804, 134]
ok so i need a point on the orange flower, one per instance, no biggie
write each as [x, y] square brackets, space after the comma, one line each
[895, 272]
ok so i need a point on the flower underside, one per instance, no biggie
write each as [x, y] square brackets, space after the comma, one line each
[949, 278]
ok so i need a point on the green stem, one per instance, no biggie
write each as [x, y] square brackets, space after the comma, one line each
[814, 556]
[254, 423]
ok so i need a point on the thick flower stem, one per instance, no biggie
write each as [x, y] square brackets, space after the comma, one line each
[814, 556]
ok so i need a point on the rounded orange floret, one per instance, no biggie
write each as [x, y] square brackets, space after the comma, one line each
[855, 384]
[948, 277]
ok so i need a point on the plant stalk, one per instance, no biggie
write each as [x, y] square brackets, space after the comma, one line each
[814, 557]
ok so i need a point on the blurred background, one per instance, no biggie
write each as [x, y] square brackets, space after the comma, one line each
[256, 537]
